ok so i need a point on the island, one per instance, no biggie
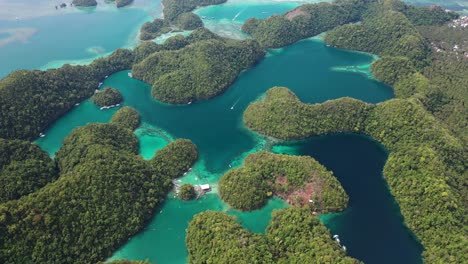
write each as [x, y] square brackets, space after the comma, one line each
[24, 169]
[421, 151]
[97, 191]
[107, 97]
[294, 235]
[84, 3]
[300, 181]
[126, 117]
[198, 71]
[177, 16]
[187, 192]
[122, 3]
[101, 176]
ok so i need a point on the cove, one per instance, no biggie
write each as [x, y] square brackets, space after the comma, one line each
[69, 35]
[372, 226]
[215, 126]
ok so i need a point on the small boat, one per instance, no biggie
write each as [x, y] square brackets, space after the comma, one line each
[230, 166]
[344, 248]
[117, 105]
[77, 104]
[100, 84]
[41, 135]
[106, 76]
[130, 75]
[232, 107]
[335, 236]
[189, 102]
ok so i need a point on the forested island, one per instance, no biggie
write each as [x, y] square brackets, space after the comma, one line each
[106, 97]
[122, 3]
[105, 193]
[198, 71]
[426, 169]
[177, 16]
[84, 3]
[26, 110]
[301, 181]
[80, 206]
[294, 235]
[422, 153]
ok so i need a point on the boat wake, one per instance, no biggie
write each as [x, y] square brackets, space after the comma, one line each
[235, 103]
[238, 14]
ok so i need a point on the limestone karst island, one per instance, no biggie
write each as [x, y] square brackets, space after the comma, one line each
[233, 131]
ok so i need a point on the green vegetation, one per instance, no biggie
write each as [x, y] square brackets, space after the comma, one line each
[84, 3]
[198, 71]
[122, 3]
[305, 21]
[390, 32]
[425, 171]
[105, 194]
[293, 236]
[437, 78]
[24, 168]
[174, 8]
[391, 69]
[107, 96]
[298, 180]
[126, 117]
[187, 192]
[189, 21]
[214, 237]
[31, 100]
[177, 16]
[152, 30]
[428, 16]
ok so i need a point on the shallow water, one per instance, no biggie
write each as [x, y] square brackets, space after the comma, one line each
[70, 36]
[307, 68]
[316, 73]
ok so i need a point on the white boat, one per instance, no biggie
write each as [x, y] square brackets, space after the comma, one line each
[232, 107]
[189, 102]
[106, 77]
[335, 236]
[41, 135]
[344, 248]
[77, 104]
[130, 75]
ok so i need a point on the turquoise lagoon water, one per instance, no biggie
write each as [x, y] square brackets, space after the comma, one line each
[371, 228]
[78, 36]
[309, 69]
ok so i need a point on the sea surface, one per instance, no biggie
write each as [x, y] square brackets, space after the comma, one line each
[372, 228]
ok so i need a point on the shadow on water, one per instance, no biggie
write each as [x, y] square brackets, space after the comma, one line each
[372, 227]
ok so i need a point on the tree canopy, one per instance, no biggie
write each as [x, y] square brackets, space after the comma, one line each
[96, 203]
[126, 117]
[198, 71]
[107, 96]
[294, 235]
[301, 181]
[431, 197]
[24, 168]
